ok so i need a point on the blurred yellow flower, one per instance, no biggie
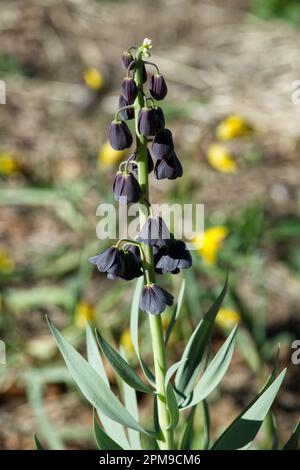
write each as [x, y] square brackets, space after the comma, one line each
[84, 311]
[209, 243]
[227, 318]
[232, 127]
[109, 156]
[219, 158]
[126, 341]
[93, 78]
[8, 164]
[7, 264]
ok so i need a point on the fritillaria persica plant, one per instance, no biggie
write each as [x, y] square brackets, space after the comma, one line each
[177, 389]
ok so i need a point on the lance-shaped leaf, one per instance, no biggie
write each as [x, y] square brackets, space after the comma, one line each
[244, 429]
[123, 369]
[193, 353]
[113, 429]
[176, 312]
[188, 433]
[134, 329]
[92, 386]
[214, 372]
[104, 442]
[292, 443]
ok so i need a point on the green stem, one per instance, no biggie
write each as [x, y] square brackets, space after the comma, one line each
[157, 336]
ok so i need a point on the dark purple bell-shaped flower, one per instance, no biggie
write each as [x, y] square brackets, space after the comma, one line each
[126, 188]
[163, 144]
[147, 122]
[129, 89]
[150, 164]
[158, 87]
[119, 135]
[154, 299]
[109, 261]
[168, 168]
[160, 119]
[125, 114]
[154, 232]
[127, 59]
[130, 267]
[172, 257]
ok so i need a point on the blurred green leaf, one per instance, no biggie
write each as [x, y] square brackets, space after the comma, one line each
[244, 429]
[214, 372]
[37, 443]
[104, 442]
[293, 442]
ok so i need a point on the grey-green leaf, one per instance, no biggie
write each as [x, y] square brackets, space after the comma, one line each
[188, 433]
[244, 429]
[214, 372]
[195, 348]
[172, 407]
[91, 385]
[104, 442]
[122, 368]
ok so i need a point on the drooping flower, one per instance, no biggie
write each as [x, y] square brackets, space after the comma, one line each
[168, 168]
[130, 267]
[127, 59]
[125, 114]
[126, 188]
[219, 158]
[160, 119]
[158, 87]
[209, 243]
[162, 145]
[119, 135]
[93, 79]
[154, 299]
[109, 156]
[147, 122]
[172, 257]
[129, 89]
[233, 127]
[154, 232]
[84, 312]
[118, 263]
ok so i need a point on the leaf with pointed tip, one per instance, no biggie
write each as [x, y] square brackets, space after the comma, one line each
[113, 429]
[195, 348]
[214, 372]
[37, 443]
[245, 427]
[292, 443]
[188, 434]
[134, 329]
[104, 442]
[92, 386]
[123, 369]
[176, 312]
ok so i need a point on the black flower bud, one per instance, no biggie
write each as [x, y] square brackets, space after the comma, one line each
[172, 257]
[125, 114]
[158, 87]
[154, 232]
[147, 122]
[119, 135]
[168, 168]
[160, 119]
[129, 89]
[126, 188]
[127, 59]
[150, 164]
[163, 145]
[154, 299]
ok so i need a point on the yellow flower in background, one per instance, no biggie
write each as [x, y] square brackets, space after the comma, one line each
[232, 127]
[109, 156]
[126, 341]
[8, 164]
[93, 78]
[7, 264]
[84, 311]
[219, 158]
[227, 318]
[209, 243]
